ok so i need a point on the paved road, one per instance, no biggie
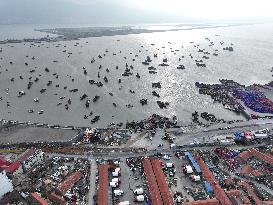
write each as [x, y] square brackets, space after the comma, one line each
[187, 138]
[92, 156]
[92, 189]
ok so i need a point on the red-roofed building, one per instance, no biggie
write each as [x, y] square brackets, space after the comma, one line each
[248, 170]
[36, 199]
[262, 156]
[234, 192]
[246, 200]
[251, 192]
[103, 184]
[26, 154]
[3, 162]
[244, 156]
[15, 168]
[155, 195]
[204, 202]
[229, 182]
[161, 182]
[65, 185]
[57, 199]
[31, 157]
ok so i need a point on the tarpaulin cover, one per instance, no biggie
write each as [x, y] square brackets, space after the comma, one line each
[194, 164]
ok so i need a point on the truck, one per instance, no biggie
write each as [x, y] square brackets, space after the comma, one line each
[260, 135]
[195, 178]
[124, 203]
[116, 173]
[172, 146]
[117, 180]
[113, 184]
[188, 169]
[139, 191]
[166, 157]
[117, 162]
[169, 165]
[139, 198]
[118, 192]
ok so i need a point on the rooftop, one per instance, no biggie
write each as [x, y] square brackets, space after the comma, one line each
[246, 170]
[204, 202]
[27, 154]
[3, 161]
[255, 153]
[57, 198]
[13, 167]
[65, 185]
[103, 184]
[38, 198]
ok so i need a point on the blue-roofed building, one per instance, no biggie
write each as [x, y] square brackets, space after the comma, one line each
[193, 162]
[208, 187]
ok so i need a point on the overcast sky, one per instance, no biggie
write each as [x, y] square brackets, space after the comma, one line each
[132, 11]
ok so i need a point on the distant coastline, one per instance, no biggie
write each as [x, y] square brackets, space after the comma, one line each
[68, 34]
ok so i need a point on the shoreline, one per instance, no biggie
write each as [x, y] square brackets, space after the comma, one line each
[181, 122]
[70, 34]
